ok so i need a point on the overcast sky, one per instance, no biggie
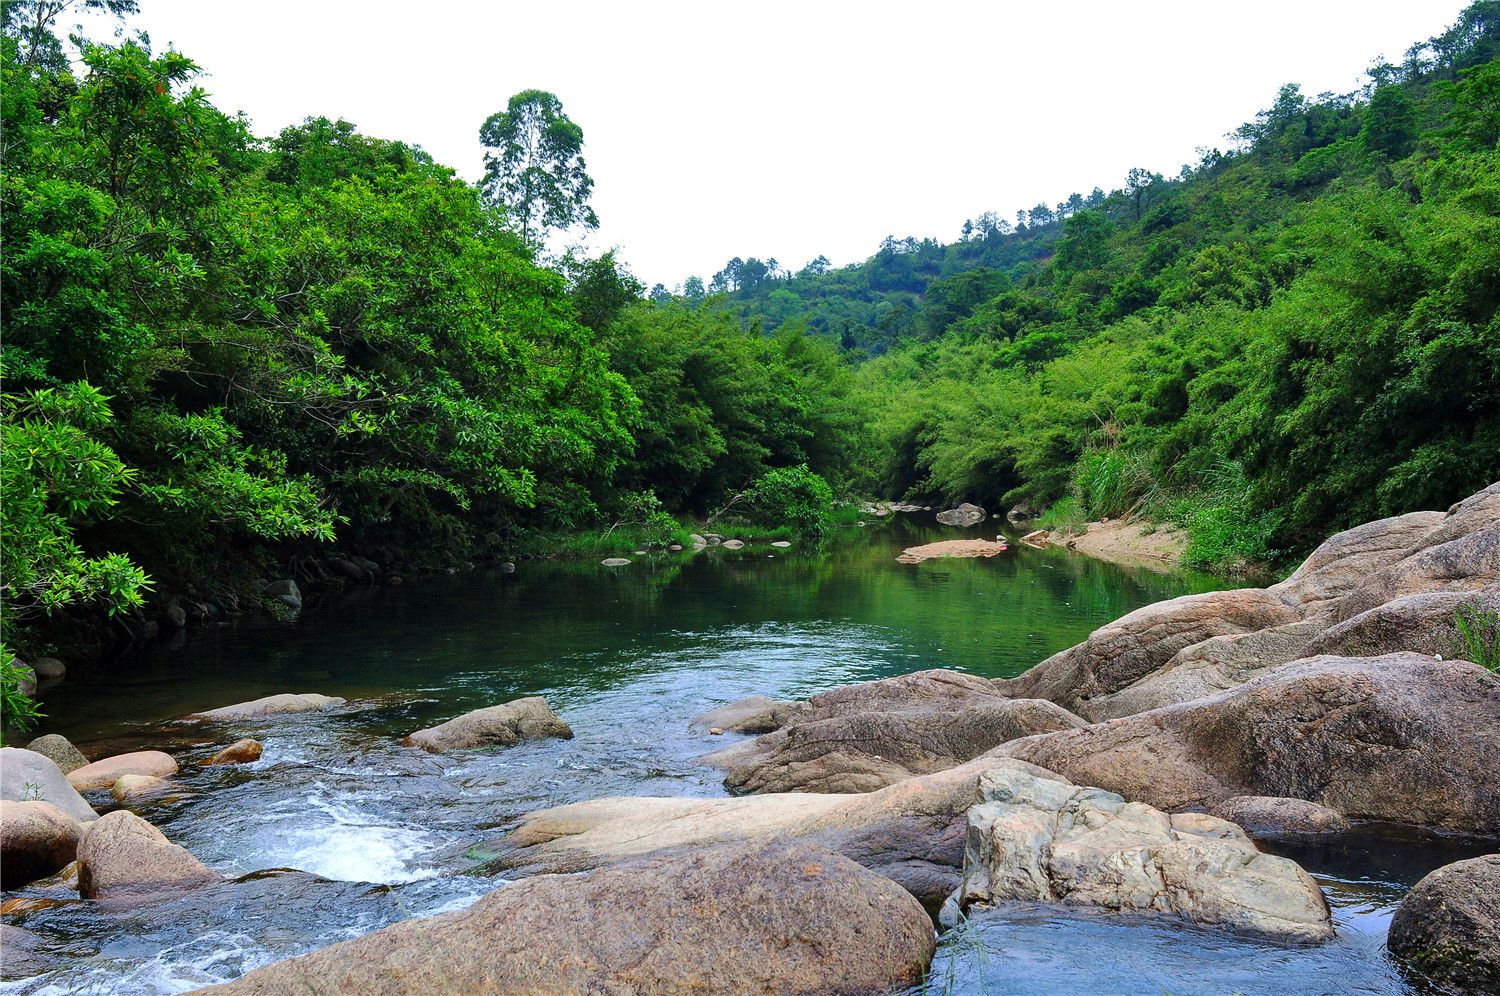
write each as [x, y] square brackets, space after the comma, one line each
[787, 130]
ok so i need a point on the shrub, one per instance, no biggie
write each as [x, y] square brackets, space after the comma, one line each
[792, 496]
[18, 713]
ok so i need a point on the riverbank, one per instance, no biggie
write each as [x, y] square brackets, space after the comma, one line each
[1133, 543]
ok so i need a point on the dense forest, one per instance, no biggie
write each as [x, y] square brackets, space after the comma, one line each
[227, 354]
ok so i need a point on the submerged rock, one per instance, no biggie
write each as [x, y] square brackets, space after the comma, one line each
[1448, 926]
[60, 750]
[271, 705]
[1040, 840]
[26, 953]
[26, 775]
[1401, 737]
[240, 752]
[107, 771]
[502, 725]
[121, 855]
[36, 840]
[964, 515]
[782, 918]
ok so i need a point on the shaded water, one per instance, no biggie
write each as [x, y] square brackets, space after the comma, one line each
[627, 656]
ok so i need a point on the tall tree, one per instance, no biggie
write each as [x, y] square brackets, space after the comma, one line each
[535, 167]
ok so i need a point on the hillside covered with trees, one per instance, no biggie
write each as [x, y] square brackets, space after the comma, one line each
[225, 353]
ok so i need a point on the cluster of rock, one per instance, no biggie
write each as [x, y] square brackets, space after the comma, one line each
[1124, 772]
[963, 515]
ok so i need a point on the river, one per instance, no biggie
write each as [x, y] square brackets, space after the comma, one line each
[627, 656]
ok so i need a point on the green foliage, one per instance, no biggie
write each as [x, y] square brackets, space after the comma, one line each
[1479, 634]
[56, 476]
[793, 496]
[18, 712]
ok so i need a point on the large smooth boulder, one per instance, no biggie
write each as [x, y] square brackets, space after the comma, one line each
[121, 856]
[1135, 645]
[1401, 737]
[911, 832]
[1448, 926]
[106, 771]
[1346, 560]
[1269, 815]
[781, 918]
[271, 705]
[753, 714]
[1039, 840]
[866, 751]
[60, 750]
[36, 840]
[502, 725]
[964, 515]
[26, 775]
[1422, 623]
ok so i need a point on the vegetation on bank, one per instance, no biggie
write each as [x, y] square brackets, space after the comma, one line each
[226, 356]
[1287, 338]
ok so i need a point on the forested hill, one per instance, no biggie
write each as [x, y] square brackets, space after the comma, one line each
[1295, 335]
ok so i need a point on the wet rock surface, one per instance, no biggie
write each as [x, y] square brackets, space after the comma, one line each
[785, 917]
[1448, 927]
[36, 840]
[122, 857]
[271, 705]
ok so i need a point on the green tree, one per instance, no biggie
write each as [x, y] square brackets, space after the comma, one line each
[534, 166]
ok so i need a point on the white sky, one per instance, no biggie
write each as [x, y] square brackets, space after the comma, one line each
[787, 130]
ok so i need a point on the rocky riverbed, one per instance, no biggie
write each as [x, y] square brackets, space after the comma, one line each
[1169, 771]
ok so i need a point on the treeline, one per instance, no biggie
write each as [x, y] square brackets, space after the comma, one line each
[224, 356]
[1291, 337]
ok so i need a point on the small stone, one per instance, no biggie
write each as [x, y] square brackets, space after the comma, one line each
[780, 544]
[240, 752]
[615, 561]
[715, 731]
[675, 547]
[393, 579]
[733, 545]
[48, 668]
[130, 786]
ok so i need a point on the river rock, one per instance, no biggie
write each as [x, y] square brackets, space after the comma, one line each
[502, 725]
[1378, 588]
[36, 840]
[286, 592]
[781, 544]
[106, 771]
[240, 752]
[1401, 737]
[781, 918]
[870, 750]
[134, 786]
[1448, 926]
[1263, 814]
[48, 668]
[1038, 840]
[26, 775]
[26, 953]
[911, 832]
[121, 855]
[754, 714]
[733, 544]
[615, 561]
[347, 569]
[271, 705]
[60, 750]
[964, 515]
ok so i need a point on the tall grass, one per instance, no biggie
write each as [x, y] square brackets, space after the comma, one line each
[1479, 634]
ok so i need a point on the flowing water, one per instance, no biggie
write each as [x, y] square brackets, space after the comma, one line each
[377, 832]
